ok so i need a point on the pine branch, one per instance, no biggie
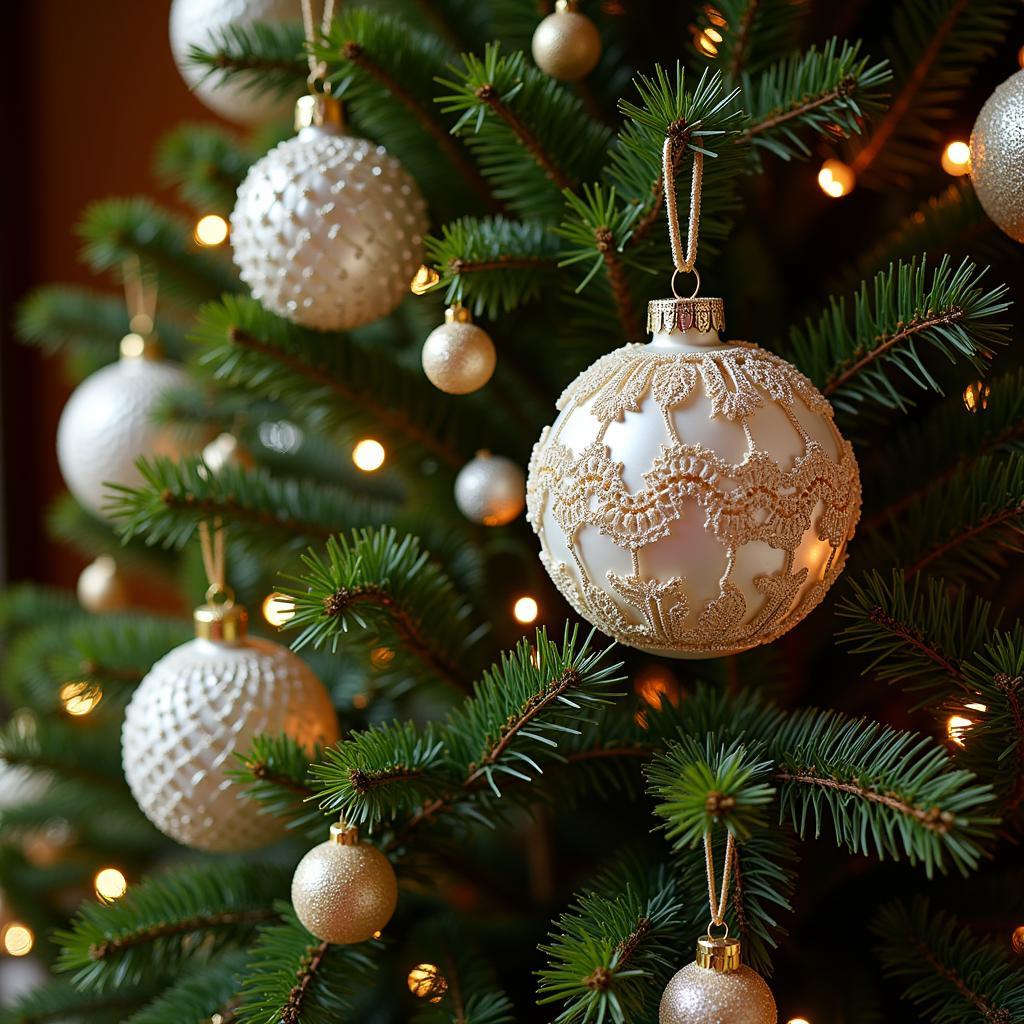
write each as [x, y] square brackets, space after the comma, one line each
[205, 164]
[58, 1002]
[954, 977]
[754, 33]
[908, 314]
[167, 921]
[189, 1000]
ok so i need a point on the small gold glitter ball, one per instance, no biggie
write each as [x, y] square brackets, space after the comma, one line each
[344, 892]
[458, 357]
[700, 995]
[101, 588]
[997, 156]
[566, 45]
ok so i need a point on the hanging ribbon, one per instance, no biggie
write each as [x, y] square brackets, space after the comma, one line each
[211, 543]
[683, 263]
[717, 903]
[317, 69]
[139, 297]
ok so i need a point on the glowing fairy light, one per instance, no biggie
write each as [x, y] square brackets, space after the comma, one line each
[211, 230]
[278, 609]
[976, 396]
[956, 158]
[836, 179]
[526, 610]
[79, 698]
[957, 728]
[110, 884]
[17, 939]
[424, 279]
[1017, 940]
[426, 981]
[368, 455]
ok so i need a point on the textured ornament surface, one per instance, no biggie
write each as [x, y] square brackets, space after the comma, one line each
[997, 156]
[196, 708]
[458, 358]
[108, 423]
[693, 499]
[328, 230]
[344, 893]
[566, 45]
[201, 23]
[490, 490]
[696, 995]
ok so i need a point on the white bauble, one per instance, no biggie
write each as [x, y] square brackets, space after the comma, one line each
[196, 708]
[108, 424]
[101, 587]
[328, 230]
[693, 498]
[201, 23]
[490, 489]
[997, 156]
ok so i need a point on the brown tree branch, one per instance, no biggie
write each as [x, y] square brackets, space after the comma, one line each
[916, 639]
[291, 1012]
[201, 922]
[1004, 515]
[844, 88]
[619, 284]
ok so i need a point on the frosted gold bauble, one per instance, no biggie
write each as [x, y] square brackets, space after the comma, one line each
[566, 45]
[699, 995]
[997, 156]
[109, 423]
[490, 490]
[197, 708]
[203, 23]
[694, 498]
[458, 357]
[344, 891]
[327, 230]
[101, 587]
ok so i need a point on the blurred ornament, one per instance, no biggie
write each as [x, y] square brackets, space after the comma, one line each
[203, 23]
[344, 891]
[200, 705]
[490, 489]
[226, 450]
[997, 156]
[19, 976]
[101, 587]
[458, 357]
[694, 498]
[108, 422]
[328, 229]
[566, 44]
[425, 981]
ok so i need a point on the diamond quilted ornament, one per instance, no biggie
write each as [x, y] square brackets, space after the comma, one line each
[197, 708]
[327, 229]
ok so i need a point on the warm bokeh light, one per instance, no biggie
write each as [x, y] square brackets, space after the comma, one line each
[278, 609]
[426, 981]
[836, 178]
[17, 939]
[360, 701]
[211, 230]
[424, 279]
[381, 657]
[654, 683]
[1017, 939]
[79, 698]
[706, 42]
[976, 396]
[368, 455]
[976, 707]
[957, 727]
[956, 158]
[525, 610]
[798, 1020]
[110, 884]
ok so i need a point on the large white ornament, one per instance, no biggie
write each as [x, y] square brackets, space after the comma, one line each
[997, 156]
[200, 705]
[108, 424]
[328, 229]
[202, 23]
[693, 498]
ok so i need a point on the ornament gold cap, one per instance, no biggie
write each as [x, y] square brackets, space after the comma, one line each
[319, 110]
[220, 619]
[701, 314]
[457, 313]
[344, 834]
[141, 345]
[720, 955]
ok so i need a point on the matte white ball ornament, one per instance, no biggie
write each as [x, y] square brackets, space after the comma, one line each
[108, 423]
[327, 229]
[201, 704]
[694, 498]
[490, 489]
[202, 23]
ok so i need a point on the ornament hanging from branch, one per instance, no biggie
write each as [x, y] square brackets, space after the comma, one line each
[458, 357]
[997, 156]
[566, 44]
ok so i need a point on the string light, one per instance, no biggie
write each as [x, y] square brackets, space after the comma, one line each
[360, 701]
[110, 884]
[836, 179]
[706, 44]
[526, 610]
[278, 609]
[424, 279]
[1017, 939]
[381, 657]
[798, 1020]
[211, 230]
[957, 727]
[79, 698]
[956, 158]
[653, 683]
[976, 396]
[17, 939]
[426, 981]
[368, 455]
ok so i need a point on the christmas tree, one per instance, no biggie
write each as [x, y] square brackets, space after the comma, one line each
[456, 798]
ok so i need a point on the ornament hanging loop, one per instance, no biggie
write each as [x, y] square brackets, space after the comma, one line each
[696, 283]
[684, 261]
[718, 902]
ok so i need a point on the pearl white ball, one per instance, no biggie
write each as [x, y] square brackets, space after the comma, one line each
[101, 587]
[108, 424]
[693, 498]
[327, 230]
[196, 708]
[201, 23]
[490, 490]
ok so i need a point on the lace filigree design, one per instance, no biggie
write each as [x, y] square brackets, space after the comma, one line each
[816, 498]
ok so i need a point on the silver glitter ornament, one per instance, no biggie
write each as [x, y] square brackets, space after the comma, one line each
[458, 357]
[566, 44]
[344, 891]
[490, 489]
[197, 708]
[997, 156]
[327, 229]
[717, 989]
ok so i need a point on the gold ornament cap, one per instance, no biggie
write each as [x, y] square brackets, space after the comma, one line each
[344, 834]
[700, 314]
[220, 619]
[319, 110]
[720, 955]
[457, 313]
